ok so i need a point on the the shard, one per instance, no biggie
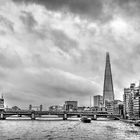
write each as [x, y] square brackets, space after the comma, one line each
[108, 92]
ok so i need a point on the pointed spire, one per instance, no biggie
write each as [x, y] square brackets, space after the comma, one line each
[2, 96]
[108, 91]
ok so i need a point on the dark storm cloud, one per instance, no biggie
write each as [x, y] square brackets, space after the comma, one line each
[4, 22]
[30, 23]
[92, 9]
[62, 41]
[126, 2]
[128, 7]
[88, 8]
[28, 19]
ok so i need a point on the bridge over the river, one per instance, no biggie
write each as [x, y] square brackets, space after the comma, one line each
[64, 114]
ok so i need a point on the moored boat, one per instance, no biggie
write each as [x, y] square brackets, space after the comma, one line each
[137, 123]
[116, 118]
[85, 119]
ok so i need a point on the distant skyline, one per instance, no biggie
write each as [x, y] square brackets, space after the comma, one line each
[54, 50]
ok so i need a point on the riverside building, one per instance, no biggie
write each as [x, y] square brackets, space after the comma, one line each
[70, 105]
[126, 98]
[131, 102]
[98, 101]
[1, 103]
[118, 107]
[136, 107]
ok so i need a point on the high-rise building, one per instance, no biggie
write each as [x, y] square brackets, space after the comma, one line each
[98, 101]
[108, 91]
[131, 101]
[126, 101]
[136, 107]
[1, 103]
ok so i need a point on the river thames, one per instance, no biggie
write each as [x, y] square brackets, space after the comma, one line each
[73, 129]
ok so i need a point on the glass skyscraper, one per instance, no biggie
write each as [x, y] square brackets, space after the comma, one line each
[108, 91]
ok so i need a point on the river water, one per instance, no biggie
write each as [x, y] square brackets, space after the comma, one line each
[72, 129]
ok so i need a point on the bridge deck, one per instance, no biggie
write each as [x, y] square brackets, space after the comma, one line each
[7, 113]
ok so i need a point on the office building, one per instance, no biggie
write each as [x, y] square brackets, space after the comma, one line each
[98, 101]
[127, 102]
[109, 106]
[130, 101]
[136, 107]
[118, 107]
[108, 91]
[70, 105]
[1, 103]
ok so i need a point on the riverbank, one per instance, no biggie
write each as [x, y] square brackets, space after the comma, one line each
[128, 121]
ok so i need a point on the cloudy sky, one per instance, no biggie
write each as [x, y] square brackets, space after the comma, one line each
[54, 50]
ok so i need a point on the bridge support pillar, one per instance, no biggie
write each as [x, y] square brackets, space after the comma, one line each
[41, 107]
[78, 116]
[19, 115]
[2, 117]
[65, 117]
[33, 116]
[94, 117]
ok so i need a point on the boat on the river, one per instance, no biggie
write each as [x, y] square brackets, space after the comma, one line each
[116, 118]
[85, 119]
[137, 123]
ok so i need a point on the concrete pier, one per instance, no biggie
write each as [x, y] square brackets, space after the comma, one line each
[65, 117]
[33, 116]
[2, 117]
[94, 117]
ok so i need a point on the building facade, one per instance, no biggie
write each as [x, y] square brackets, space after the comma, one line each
[109, 106]
[70, 105]
[98, 101]
[127, 102]
[131, 101]
[1, 103]
[118, 107]
[56, 108]
[136, 107]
